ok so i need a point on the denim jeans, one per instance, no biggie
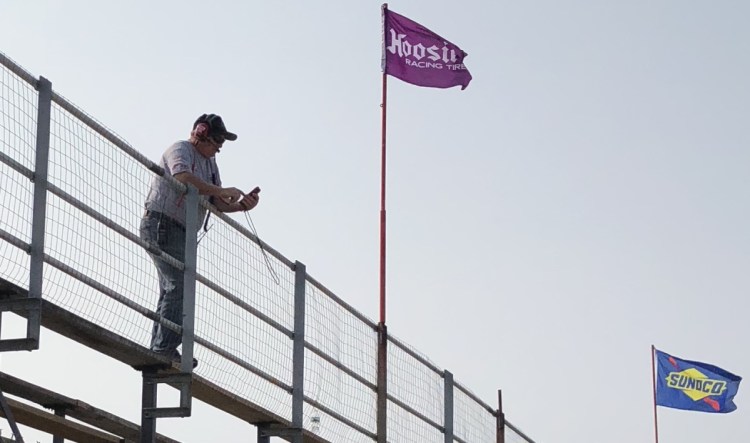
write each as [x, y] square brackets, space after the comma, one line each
[157, 228]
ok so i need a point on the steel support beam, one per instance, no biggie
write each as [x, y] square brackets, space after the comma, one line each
[263, 434]
[148, 401]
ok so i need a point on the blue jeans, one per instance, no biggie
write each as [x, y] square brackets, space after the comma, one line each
[169, 235]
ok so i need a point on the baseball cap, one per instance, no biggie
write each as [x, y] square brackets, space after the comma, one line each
[215, 126]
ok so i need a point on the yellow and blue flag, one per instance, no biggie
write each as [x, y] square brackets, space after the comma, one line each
[694, 386]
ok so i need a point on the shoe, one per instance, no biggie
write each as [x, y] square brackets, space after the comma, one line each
[175, 356]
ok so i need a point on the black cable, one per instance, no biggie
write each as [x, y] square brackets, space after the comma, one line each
[262, 249]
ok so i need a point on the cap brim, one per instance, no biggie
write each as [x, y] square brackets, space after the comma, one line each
[230, 136]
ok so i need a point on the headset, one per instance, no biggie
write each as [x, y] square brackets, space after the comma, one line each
[203, 125]
[201, 130]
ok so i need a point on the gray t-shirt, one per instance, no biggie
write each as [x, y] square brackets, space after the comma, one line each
[180, 157]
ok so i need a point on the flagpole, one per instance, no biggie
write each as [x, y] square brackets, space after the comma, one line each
[653, 381]
[382, 180]
[382, 377]
[382, 204]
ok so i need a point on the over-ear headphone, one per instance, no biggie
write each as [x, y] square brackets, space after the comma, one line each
[201, 130]
[204, 124]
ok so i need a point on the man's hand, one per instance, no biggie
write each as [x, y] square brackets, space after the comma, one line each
[250, 200]
[230, 195]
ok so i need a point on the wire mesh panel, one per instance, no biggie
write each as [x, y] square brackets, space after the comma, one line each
[242, 335]
[331, 429]
[403, 426]
[94, 171]
[336, 391]
[16, 197]
[249, 314]
[18, 110]
[413, 380]
[341, 336]
[472, 422]
[245, 270]
[243, 382]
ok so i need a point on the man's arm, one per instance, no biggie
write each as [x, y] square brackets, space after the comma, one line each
[229, 196]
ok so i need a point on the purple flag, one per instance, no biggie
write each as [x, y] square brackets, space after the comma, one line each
[418, 56]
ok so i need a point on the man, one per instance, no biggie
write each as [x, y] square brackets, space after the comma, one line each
[190, 162]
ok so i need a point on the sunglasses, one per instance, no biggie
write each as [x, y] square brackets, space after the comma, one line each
[217, 140]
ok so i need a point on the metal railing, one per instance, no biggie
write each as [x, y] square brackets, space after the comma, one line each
[246, 292]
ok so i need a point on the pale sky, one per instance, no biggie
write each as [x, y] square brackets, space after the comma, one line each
[585, 197]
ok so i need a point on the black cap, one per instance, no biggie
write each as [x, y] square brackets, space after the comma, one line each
[215, 126]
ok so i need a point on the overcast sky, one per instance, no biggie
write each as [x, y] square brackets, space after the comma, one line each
[585, 197]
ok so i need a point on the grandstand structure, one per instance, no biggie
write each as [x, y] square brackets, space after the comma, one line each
[277, 349]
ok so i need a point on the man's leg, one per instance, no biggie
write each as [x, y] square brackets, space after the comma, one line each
[169, 307]
[170, 237]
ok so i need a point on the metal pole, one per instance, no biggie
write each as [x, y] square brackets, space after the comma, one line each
[148, 401]
[653, 382]
[41, 166]
[500, 415]
[298, 376]
[382, 392]
[448, 395]
[382, 177]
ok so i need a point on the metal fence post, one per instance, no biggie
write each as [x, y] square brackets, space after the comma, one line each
[382, 405]
[41, 165]
[448, 396]
[500, 415]
[298, 376]
[192, 224]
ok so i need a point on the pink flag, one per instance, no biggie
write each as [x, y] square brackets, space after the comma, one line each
[418, 56]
